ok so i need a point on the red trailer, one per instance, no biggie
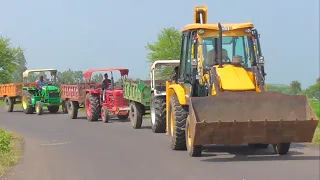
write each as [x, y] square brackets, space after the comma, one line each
[90, 96]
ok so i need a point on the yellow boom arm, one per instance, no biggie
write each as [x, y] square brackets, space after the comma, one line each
[201, 14]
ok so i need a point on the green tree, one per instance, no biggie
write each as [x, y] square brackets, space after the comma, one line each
[66, 77]
[97, 78]
[295, 87]
[318, 80]
[168, 46]
[21, 66]
[7, 60]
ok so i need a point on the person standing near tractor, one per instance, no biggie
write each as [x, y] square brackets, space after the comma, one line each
[105, 85]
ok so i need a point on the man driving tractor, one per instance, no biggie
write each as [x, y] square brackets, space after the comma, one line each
[41, 82]
[105, 85]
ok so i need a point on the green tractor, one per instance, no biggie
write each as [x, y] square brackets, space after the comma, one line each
[35, 98]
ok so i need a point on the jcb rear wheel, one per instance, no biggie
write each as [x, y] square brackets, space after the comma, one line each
[282, 148]
[178, 115]
[194, 151]
[92, 105]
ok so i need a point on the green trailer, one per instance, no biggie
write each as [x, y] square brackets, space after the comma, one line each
[148, 95]
[34, 99]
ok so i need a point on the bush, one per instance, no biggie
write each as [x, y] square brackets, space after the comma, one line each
[5, 139]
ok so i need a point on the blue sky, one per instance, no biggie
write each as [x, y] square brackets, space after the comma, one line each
[86, 34]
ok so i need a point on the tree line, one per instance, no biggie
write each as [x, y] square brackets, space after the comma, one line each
[167, 46]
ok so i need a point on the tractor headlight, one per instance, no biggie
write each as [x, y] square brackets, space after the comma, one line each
[261, 60]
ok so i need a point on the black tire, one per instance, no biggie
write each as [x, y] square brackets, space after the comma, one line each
[282, 148]
[158, 114]
[258, 146]
[135, 115]
[104, 114]
[180, 113]
[72, 108]
[53, 109]
[64, 106]
[28, 97]
[123, 117]
[39, 108]
[9, 103]
[94, 107]
[193, 151]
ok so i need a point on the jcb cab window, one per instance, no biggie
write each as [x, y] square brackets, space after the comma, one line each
[231, 46]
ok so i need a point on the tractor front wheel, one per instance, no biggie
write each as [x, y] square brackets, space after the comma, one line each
[92, 105]
[135, 115]
[72, 108]
[39, 108]
[9, 104]
[104, 114]
[53, 109]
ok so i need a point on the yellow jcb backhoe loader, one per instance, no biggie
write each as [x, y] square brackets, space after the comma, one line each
[221, 95]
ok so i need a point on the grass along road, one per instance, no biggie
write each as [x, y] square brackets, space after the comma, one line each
[10, 150]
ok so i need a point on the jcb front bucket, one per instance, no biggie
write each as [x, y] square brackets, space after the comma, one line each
[251, 117]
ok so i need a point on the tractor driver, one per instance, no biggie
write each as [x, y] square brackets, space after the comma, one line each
[105, 85]
[41, 82]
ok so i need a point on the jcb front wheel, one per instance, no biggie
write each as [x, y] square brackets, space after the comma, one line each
[178, 116]
[194, 151]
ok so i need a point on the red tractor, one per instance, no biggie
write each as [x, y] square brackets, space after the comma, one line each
[98, 102]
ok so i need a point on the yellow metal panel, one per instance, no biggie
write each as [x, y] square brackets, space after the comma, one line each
[216, 28]
[180, 92]
[234, 78]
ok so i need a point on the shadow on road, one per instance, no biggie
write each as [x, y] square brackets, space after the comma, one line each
[245, 153]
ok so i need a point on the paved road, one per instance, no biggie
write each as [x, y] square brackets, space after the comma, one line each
[59, 148]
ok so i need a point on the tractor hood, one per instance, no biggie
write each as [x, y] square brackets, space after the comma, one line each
[234, 78]
[50, 88]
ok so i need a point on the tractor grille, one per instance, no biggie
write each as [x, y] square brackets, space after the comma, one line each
[54, 95]
[119, 101]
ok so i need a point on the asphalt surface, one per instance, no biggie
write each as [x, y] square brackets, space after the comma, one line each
[60, 148]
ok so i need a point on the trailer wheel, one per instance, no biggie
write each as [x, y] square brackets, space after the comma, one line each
[72, 108]
[158, 114]
[9, 104]
[282, 148]
[194, 151]
[104, 114]
[39, 108]
[92, 105]
[258, 146]
[64, 106]
[135, 115]
[123, 117]
[178, 116]
[53, 109]
[26, 100]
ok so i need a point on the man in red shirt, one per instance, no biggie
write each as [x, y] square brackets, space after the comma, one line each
[105, 85]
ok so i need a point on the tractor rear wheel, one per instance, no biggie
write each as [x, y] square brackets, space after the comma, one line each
[282, 148]
[104, 114]
[39, 108]
[26, 100]
[158, 114]
[9, 104]
[53, 109]
[178, 116]
[123, 117]
[92, 105]
[72, 108]
[135, 115]
[194, 151]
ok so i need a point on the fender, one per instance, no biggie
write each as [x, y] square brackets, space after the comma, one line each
[180, 92]
[93, 91]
